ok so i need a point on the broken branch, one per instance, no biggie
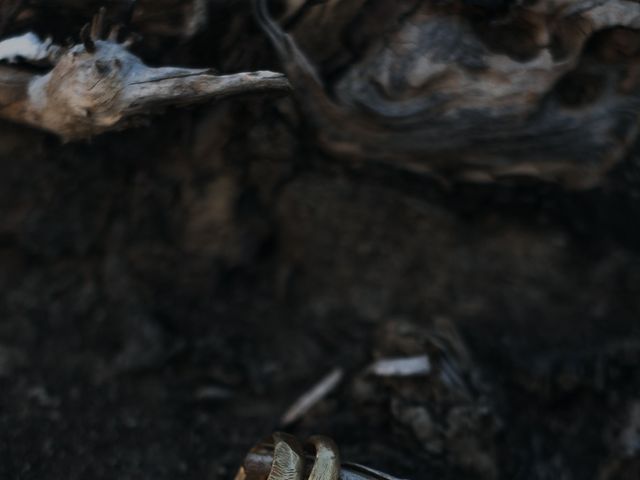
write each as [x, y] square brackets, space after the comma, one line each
[98, 85]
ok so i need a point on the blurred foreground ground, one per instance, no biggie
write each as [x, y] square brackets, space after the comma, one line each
[167, 292]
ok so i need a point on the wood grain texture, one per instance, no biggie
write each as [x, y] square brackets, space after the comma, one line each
[465, 95]
[98, 86]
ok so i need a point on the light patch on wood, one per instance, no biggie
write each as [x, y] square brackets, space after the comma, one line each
[25, 47]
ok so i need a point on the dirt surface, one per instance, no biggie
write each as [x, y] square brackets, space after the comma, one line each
[166, 293]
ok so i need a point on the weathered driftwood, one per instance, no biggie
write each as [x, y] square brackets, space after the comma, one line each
[98, 85]
[548, 89]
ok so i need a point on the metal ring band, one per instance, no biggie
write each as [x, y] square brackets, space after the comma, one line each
[288, 461]
[327, 463]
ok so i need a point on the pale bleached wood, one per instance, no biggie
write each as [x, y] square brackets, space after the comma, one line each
[100, 86]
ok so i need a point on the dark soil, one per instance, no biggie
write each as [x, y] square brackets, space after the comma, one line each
[167, 292]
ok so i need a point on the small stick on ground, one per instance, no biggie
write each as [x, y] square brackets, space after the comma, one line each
[401, 367]
[98, 85]
[319, 391]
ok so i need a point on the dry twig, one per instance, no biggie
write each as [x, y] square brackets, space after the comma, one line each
[319, 391]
